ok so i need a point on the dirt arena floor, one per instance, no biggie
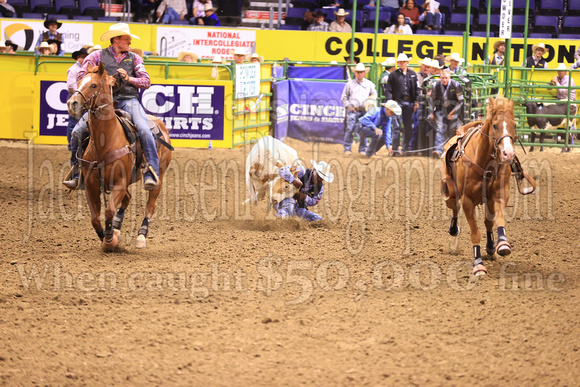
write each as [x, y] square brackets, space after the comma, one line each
[376, 294]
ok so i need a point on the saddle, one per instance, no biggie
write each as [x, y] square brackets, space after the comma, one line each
[131, 130]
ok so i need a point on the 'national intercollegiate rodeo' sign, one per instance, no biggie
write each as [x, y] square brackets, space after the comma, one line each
[190, 112]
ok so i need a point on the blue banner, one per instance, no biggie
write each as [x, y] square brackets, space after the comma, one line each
[333, 72]
[281, 96]
[189, 111]
[316, 112]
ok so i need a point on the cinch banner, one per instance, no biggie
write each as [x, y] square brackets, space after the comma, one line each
[190, 112]
[316, 112]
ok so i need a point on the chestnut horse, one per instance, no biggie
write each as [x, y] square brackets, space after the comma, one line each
[477, 166]
[109, 160]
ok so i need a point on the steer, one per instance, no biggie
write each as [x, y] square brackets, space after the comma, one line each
[543, 123]
[262, 170]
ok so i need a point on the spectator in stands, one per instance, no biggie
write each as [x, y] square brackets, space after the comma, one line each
[197, 9]
[402, 88]
[564, 80]
[536, 60]
[71, 84]
[410, 11]
[355, 94]
[96, 47]
[11, 48]
[56, 50]
[391, 6]
[188, 57]
[318, 24]
[497, 58]
[424, 67]
[44, 49]
[3, 47]
[239, 55]
[375, 119]
[6, 10]
[401, 27]
[52, 25]
[255, 58]
[210, 18]
[455, 62]
[446, 104]
[170, 10]
[431, 18]
[340, 25]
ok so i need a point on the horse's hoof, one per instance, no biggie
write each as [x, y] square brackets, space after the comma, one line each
[117, 233]
[141, 242]
[109, 246]
[503, 248]
[479, 270]
[490, 250]
[454, 231]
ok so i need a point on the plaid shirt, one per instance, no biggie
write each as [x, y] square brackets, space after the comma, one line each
[318, 27]
[142, 80]
[309, 200]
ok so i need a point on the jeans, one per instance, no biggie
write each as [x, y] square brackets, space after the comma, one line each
[170, 15]
[352, 126]
[406, 118]
[433, 19]
[134, 108]
[376, 141]
[72, 122]
[444, 129]
[288, 207]
[414, 142]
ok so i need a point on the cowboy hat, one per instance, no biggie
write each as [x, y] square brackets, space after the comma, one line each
[360, 67]
[562, 67]
[435, 63]
[218, 59]
[455, 56]
[183, 54]
[96, 47]
[497, 44]
[402, 57]
[319, 13]
[208, 7]
[239, 51]
[393, 106]
[333, 62]
[45, 45]
[541, 46]
[425, 62]
[323, 170]
[255, 55]
[2, 44]
[47, 22]
[341, 12]
[119, 29]
[88, 45]
[389, 62]
[82, 51]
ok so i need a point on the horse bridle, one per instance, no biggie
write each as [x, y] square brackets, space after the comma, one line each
[496, 150]
[88, 103]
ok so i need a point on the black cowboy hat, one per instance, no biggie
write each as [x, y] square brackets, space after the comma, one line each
[13, 45]
[52, 20]
[82, 51]
[319, 13]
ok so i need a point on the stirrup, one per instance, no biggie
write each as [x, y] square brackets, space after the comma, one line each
[70, 182]
[148, 187]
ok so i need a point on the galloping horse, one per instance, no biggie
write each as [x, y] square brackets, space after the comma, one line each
[110, 162]
[477, 166]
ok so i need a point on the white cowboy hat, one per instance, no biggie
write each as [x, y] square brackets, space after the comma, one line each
[389, 62]
[239, 51]
[455, 56]
[2, 44]
[255, 55]
[119, 29]
[96, 47]
[539, 45]
[218, 59]
[393, 106]
[88, 45]
[183, 54]
[208, 7]
[426, 62]
[341, 12]
[435, 64]
[360, 67]
[323, 170]
[402, 57]
[44, 45]
[562, 67]
[333, 62]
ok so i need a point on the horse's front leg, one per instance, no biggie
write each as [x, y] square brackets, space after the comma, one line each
[120, 215]
[111, 240]
[469, 210]
[500, 201]
[489, 221]
[94, 202]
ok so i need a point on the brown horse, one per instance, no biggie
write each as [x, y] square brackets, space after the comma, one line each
[109, 160]
[477, 166]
